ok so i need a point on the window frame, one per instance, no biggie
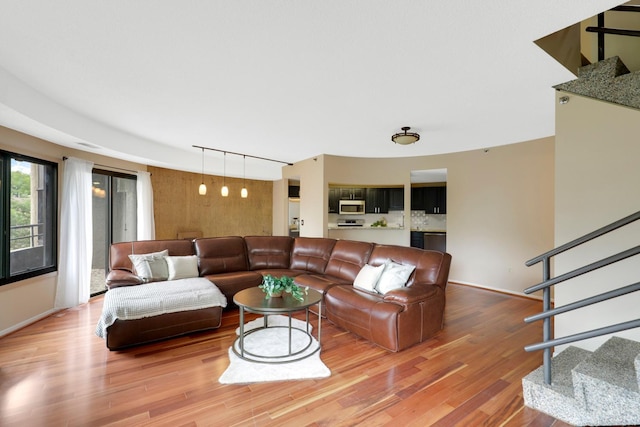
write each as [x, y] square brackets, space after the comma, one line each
[5, 224]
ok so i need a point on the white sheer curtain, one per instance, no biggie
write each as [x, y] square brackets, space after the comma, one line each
[146, 223]
[76, 235]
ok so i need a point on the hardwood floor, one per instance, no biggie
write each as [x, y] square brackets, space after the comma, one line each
[56, 372]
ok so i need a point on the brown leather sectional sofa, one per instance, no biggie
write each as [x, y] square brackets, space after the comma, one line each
[396, 320]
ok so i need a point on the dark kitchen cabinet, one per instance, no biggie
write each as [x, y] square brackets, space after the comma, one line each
[294, 191]
[334, 199]
[418, 198]
[417, 239]
[432, 200]
[396, 199]
[351, 193]
[377, 200]
[435, 200]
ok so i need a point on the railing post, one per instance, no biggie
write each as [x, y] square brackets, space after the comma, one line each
[546, 324]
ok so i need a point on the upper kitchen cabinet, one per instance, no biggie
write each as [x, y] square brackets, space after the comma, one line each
[435, 200]
[396, 199]
[418, 198]
[351, 193]
[377, 200]
[334, 199]
[294, 191]
[432, 200]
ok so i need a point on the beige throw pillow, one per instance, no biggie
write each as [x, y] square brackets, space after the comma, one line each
[394, 276]
[368, 276]
[150, 267]
[182, 267]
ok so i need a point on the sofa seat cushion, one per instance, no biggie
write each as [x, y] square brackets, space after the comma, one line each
[365, 314]
[233, 282]
[319, 282]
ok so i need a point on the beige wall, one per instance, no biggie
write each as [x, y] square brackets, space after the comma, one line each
[499, 205]
[311, 174]
[280, 207]
[29, 300]
[597, 182]
[179, 208]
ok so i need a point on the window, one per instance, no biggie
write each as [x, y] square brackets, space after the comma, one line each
[28, 202]
[114, 219]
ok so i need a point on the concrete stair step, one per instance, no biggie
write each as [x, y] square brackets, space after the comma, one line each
[608, 382]
[590, 388]
[561, 393]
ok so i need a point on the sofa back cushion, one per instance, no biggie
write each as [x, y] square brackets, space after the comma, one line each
[347, 259]
[221, 255]
[431, 266]
[119, 252]
[311, 253]
[266, 252]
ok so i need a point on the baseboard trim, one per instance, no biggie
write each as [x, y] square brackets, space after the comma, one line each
[498, 290]
[28, 322]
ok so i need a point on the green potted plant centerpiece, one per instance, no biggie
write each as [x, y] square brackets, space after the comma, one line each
[275, 286]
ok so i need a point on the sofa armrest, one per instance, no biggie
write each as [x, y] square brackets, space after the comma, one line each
[117, 278]
[411, 294]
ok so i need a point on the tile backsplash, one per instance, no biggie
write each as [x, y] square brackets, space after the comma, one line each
[418, 220]
[423, 221]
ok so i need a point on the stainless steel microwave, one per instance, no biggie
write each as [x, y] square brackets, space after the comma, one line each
[351, 207]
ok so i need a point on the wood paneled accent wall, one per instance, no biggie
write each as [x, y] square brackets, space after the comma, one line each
[179, 209]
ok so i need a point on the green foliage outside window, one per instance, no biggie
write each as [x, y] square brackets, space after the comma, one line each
[20, 209]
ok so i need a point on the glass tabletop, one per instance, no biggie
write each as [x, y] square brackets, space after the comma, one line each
[255, 299]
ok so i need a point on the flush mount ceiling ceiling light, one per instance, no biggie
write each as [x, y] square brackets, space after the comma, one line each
[405, 138]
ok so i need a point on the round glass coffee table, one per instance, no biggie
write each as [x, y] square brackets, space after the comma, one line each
[253, 300]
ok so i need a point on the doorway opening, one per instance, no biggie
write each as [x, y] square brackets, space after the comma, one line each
[114, 219]
[429, 209]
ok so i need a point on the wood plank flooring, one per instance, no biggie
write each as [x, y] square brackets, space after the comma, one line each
[56, 372]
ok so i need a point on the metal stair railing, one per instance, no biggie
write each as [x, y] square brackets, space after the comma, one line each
[547, 282]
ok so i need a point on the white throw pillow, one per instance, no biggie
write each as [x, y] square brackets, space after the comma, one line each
[182, 267]
[368, 276]
[394, 276]
[150, 267]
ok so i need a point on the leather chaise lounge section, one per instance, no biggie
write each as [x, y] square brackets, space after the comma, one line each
[395, 321]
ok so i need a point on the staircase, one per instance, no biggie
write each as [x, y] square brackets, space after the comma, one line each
[590, 388]
[608, 80]
[586, 388]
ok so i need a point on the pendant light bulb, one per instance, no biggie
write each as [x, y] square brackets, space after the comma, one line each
[202, 190]
[244, 193]
[224, 190]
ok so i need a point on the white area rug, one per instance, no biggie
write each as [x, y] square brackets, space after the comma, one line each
[274, 341]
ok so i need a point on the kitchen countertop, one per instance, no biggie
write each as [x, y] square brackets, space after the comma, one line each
[428, 230]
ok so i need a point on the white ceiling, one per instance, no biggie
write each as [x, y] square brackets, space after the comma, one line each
[145, 80]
